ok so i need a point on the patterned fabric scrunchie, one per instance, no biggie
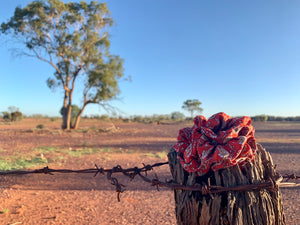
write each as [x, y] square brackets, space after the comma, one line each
[216, 143]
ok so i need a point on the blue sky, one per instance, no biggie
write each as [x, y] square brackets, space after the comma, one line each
[239, 57]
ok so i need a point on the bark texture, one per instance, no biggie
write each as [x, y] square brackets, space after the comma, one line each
[261, 207]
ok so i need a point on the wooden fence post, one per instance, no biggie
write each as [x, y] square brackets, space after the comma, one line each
[259, 207]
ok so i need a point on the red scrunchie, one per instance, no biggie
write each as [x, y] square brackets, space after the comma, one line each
[216, 143]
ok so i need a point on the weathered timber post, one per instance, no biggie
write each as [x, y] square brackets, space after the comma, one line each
[259, 207]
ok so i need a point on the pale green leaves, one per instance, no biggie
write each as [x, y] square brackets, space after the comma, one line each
[103, 80]
[192, 105]
[73, 38]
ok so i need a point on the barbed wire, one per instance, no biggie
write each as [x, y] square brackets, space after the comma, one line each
[291, 176]
[135, 171]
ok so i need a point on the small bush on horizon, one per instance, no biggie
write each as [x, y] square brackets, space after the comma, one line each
[53, 119]
[159, 118]
[40, 126]
[137, 118]
[148, 119]
[37, 116]
[104, 117]
[174, 116]
[177, 116]
[126, 120]
[261, 118]
[13, 114]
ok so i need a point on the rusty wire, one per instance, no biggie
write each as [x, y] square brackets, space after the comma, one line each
[291, 176]
[142, 173]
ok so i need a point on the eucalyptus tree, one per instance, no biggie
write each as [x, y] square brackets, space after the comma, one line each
[73, 38]
[192, 105]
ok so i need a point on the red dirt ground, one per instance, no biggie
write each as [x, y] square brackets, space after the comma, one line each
[84, 199]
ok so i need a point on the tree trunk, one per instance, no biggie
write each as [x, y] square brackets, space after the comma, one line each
[67, 117]
[65, 123]
[78, 117]
[69, 111]
[76, 124]
[260, 207]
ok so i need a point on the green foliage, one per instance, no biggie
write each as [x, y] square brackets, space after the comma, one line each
[260, 118]
[43, 149]
[4, 211]
[177, 116]
[40, 126]
[104, 117]
[88, 151]
[192, 106]
[73, 38]
[6, 116]
[16, 116]
[13, 115]
[274, 118]
[126, 120]
[37, 116]
[53, 119]
[74, 112]
[296, 118]
[20, 163]
[137, 118]
[159, 118]
[148, 119]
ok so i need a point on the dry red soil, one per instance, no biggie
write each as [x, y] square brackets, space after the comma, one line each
[85, 199]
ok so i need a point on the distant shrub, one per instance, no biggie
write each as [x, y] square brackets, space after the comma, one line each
[145, 119]
[16, 116]
[297, 118]
[159, 118]
[40, 126]
[104, 117]
[126, 120]
[100, 117]
[177, 116]
[137, 118]
[13, 115]
[74, 112]
[260, 118]
[119, 118]
[37, 116]
[279, 118]
[6, 116]
[92, 116]
[275, 118]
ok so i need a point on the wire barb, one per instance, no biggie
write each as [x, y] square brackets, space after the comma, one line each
[99, 170]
